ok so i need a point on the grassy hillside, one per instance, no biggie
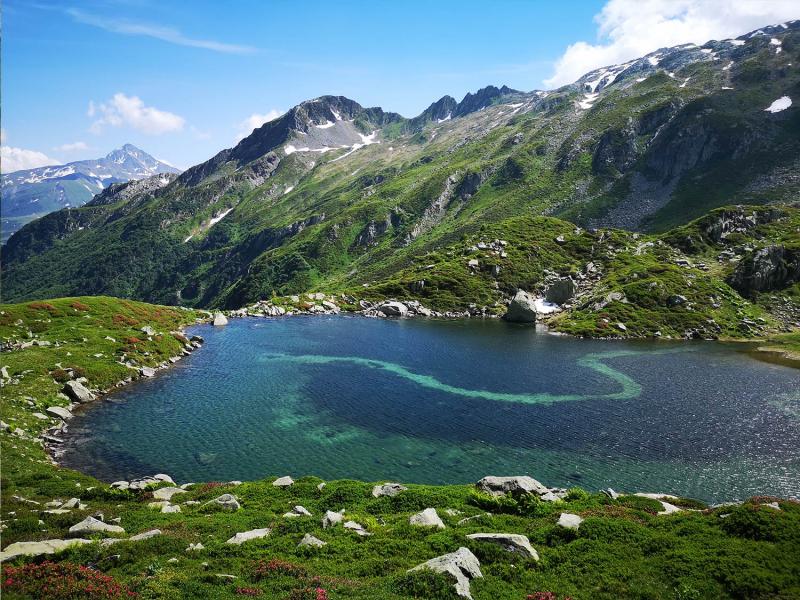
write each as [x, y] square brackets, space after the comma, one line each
[623, 548]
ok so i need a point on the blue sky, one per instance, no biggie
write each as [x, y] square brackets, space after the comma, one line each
[182, 80]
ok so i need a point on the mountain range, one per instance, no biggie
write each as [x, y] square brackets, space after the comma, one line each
[32, 193]
[333, 195]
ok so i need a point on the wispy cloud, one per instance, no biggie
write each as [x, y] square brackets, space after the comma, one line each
[159, 32]
[16, 159]
[71, 147]
[131, 111]
[255, 121]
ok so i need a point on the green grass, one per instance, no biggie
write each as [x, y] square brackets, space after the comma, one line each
[623, 549]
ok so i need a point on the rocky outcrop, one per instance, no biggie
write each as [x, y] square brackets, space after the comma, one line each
[522, 309]
[770, 268]
[561, 291]
[220, 320]
[462, 565]
[39, 548]
[511, 542]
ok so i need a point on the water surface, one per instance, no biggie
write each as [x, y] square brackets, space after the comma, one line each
[449, 402]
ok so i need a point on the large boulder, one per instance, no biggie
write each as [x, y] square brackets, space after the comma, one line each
[393, 309]
[220, 319]
[561, 291]
[516, 486]
[511, 542]
[225, 502]
[78, 392]
[522, 309]
[388, 489]
[91, 525]
[462, 565]
[569, 521]
[427, 518]
[283, 482]
[770, 268]
[311, 541]
[58, 411]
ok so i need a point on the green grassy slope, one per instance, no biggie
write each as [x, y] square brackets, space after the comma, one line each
[622, 549]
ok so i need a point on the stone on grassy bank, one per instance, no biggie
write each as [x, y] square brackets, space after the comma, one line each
[462, 565]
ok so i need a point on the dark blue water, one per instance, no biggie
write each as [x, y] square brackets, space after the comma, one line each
[449, 402]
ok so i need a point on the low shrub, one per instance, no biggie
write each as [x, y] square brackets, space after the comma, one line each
[62, 581]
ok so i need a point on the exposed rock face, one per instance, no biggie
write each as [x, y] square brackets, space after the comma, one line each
[220, 319]
[244, 536]
[511, 542]
[771, 268]
[38, 548]
[570, 521]
[427, 518]
[737, 221]
[78, 392]
[516, 486]
[522, 309]
[91, 525]
[462, 565]
[561, 291]
[388, 489]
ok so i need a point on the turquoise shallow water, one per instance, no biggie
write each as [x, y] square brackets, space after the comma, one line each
[450, 402]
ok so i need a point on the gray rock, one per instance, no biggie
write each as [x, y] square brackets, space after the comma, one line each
[77, 392]
[298, 511]
[462, 565]
[38, 548]
[91, 525]
[285, 481]
[166, 493]
[310, 540]
[511, 542]
[59, 411]
[516, 486]
[522, 309]
[170, 508]
[393, 309]
[357, 528]
[134, 538]
[245, 536]
[388, 489]
[147, 372]
[570, 521]
[220, 319]
[332, 518]
[226, 502]
[427, 518]
[561, 291]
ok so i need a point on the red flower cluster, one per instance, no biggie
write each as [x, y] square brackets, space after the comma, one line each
[309, 593]
[277, 566]
[248, 591]
[544, 596]
[63, 581]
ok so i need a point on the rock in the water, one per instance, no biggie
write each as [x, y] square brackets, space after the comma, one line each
[427, 518]
[388, 489]
[285, 481]
[147, 372]
[59, 411]
[166, 493]
[298, 511]
[561, 291]
[226, 502]
[570, 521]
[332, 518]
[516, 486]
[462, 565]
[38, 548]
[522, 309]
[393, 309]
[310, 540]
[512, 542]
[91, 525]
[220, 319]
[253, 534]
[77, 392]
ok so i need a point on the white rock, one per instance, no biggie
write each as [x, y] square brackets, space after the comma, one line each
[332, 518]
[388, 489]
[570, 521]
[92, 525]
[38, 548]
[462, 565]
[310, 540]
[284, 481]
[166, 493]
[427, 518]
[244, 536]
[220, 319]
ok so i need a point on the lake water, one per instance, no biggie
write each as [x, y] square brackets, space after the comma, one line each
[449, 402]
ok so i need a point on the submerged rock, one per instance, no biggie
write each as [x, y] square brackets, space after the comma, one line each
[511, 542]
[462, 565]
[522, 309]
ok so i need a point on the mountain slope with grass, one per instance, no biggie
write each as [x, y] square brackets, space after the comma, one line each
[333, 194]
[153, 539]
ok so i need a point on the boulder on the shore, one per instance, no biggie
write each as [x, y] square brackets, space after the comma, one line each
[516, 486]
[59, 411]
[220, 319]
[511, 542]
[427, 518]
[393, 309]
[522, 308]
[78, 392]
[462, 565]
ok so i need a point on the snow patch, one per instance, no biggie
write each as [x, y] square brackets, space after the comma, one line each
[736, 42]
[366, 140]
[325, 125]
[336, 115]
[288, 189]
[543, 307]
[726, 87]
[728, 66]
[640, 79]
[653, 60]
[447, 118]
[779, 105]
[588, 101]
[706, 50]
[219, 217]
[685, 81]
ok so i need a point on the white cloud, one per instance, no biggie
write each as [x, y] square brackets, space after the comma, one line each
[16, 159]
[131, 111]
[2, 136]
[254, 121]
[628, 29]
[73, 147]
[160, 32]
